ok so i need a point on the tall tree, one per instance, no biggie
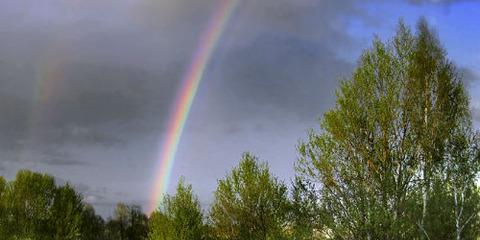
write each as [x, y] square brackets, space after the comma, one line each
[33, 207]
[67, 214]
[250, 203]
[30, 199]
[138, 224]
[306, 216]
[128, 223]
[461, 167]
[178, 217]
[92, 225]
[383, 147]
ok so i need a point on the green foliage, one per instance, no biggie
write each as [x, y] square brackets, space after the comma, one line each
[306, 216]
[250, 203]
[92, 225]
[30, 199]
[128, 223]
[386, 158]
[67, 213]
[160, 227]
[178, 217]
[33, 207]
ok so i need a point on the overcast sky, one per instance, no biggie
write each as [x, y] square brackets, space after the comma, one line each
[86, 87]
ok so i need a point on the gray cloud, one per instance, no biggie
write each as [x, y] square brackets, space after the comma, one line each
[57, 158]
[73, 76]
[283, 55]
[87, 86]
[98, 197]
[14, 121]
[266, 73]
[89, 105]
[91, 73]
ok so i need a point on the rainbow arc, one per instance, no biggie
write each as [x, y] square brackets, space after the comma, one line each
[186, 95]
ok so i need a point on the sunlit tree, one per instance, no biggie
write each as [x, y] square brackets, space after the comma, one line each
[382, 158]
[32, 206]
[178, 217]
[250, 203]
[92, 225]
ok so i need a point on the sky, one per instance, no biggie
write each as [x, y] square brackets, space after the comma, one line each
[86, 87]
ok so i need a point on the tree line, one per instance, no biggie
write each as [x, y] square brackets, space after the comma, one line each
[395, 158]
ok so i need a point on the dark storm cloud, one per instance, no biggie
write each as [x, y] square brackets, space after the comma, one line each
[61, 162]
[79, 76]
[117, 68]
[95, 96]
[89, 104]
[285, 56]
[59, 158]
[293, 75]
[14, 121]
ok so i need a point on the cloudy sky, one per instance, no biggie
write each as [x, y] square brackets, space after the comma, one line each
[86, 87]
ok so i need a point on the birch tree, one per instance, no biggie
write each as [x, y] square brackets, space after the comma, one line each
[383, 146]
[463, 161]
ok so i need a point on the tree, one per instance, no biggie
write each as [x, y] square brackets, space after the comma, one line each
[66, 213]
[128, 223]
[92, 225]
[29, 200]
[306, 214]
[160, 227]
[33, 207]
[138, 224]
[178, 217]
[250, 203]
[381, 157]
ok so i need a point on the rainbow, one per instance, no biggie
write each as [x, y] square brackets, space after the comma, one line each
[185, 96]
[48, 74]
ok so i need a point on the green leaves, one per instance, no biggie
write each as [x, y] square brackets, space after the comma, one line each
[249, 203]
[385, 144]
[128, 223]
[178, 217]
[33, 207]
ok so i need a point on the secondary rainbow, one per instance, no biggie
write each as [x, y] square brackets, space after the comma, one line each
[185, 96]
